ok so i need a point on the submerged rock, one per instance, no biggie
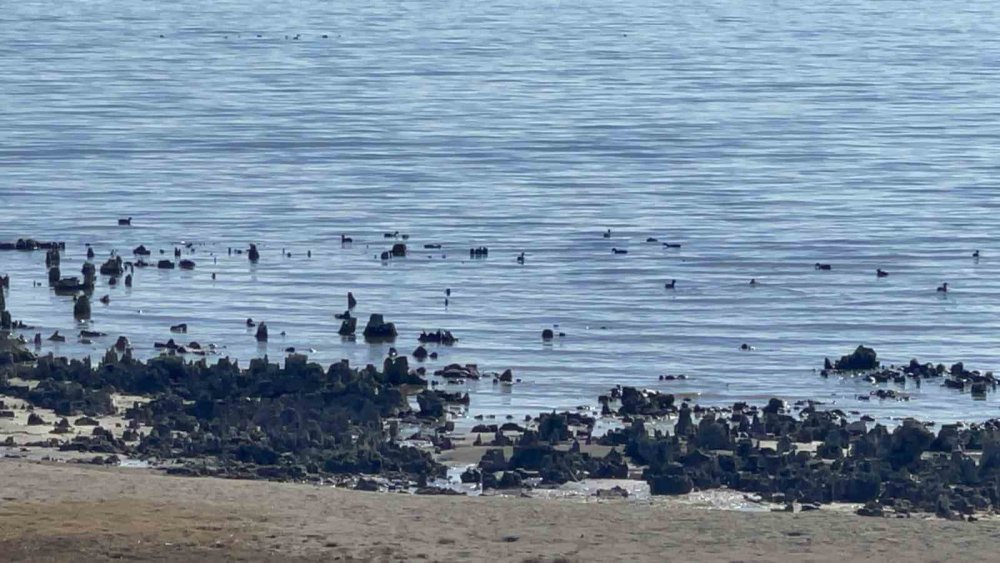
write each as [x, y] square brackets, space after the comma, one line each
[348, 326]
[81, 308]
[377, 329]
[861, 359]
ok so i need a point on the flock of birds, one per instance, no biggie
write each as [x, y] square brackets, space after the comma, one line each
[672, 284]
[520, 259]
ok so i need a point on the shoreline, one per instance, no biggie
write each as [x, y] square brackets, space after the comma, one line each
[61, 512]
[394, 429]
[302, 422]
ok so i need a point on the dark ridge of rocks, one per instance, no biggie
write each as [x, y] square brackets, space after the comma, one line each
[437, 337]
[32, 244]
[956, 377]
[186, 264]
[455, 371]
[479, 252]
[292, 423]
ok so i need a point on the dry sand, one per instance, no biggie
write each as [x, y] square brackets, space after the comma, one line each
[67, 512]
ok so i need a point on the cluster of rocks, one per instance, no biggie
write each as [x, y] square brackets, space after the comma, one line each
[28, 244]
[173, 348]
[769, 452]
[864, 362]
[437, 337]
[398, 250]
[537, 459]
[11, 351]
[433, 403]
[299, 421]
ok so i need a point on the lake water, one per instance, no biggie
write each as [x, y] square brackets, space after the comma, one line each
[763, 136]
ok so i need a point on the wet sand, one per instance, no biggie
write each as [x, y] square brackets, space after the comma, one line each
[65, 512]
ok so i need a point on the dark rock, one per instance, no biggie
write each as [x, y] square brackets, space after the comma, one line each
[674, 481]
[377, 329]
[471, 475]
[861, 359]
[81, 309]
[348, 326]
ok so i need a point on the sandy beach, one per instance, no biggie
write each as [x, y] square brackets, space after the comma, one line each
[67, 512]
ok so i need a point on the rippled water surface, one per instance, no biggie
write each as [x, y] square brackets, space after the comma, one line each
[763, 136]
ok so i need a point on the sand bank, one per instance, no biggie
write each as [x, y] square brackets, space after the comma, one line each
[64, 512]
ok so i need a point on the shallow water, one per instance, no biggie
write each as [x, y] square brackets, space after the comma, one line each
[764, 136]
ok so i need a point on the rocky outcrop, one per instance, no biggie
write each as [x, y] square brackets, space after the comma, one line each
[379, 330]
[81, 308]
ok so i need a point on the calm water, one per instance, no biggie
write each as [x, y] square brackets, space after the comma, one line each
[764, 136]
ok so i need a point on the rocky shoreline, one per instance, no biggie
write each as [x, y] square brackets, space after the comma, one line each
[341, 424]
[300, 422]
